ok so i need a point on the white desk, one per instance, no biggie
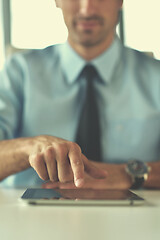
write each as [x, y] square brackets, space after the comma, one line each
[21, 222]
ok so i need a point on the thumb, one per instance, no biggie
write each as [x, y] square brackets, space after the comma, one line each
[93, 170]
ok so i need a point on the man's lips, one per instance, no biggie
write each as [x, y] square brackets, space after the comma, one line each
[87, 24]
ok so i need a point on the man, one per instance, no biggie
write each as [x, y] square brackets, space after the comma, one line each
[42, 94]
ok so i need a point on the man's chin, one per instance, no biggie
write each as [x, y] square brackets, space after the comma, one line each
[88, 43]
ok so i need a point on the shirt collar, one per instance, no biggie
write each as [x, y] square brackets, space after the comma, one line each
[106, 62]
[72, 63]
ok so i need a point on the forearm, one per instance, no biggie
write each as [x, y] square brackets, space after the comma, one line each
[14, 156]
[153, 180]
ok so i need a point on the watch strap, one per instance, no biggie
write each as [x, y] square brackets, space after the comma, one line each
[138, 183]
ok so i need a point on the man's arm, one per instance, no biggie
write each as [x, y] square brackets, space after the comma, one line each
[14, 156]
[52, 158]
[122, 179]
[117, 178]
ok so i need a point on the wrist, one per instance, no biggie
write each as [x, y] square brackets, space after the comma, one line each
[128, 178]
[138, 172]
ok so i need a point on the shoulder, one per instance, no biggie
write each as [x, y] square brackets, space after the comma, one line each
[141, 61]
[34, 56]
[38, 55]
[142, 70]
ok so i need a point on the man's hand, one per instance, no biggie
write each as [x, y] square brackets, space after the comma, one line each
[117, 179]
[59, 160]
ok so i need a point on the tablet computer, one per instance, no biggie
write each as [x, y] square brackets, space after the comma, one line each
[81, 197]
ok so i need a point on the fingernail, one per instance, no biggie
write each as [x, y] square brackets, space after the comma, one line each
[79, 182]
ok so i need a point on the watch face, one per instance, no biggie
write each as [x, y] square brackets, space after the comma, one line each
[137, 168]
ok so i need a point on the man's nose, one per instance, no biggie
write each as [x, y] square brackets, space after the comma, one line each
[88, 7]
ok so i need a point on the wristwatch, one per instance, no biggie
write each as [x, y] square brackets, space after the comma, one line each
[138, 171]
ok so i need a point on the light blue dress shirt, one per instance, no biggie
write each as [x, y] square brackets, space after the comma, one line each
[42, 92]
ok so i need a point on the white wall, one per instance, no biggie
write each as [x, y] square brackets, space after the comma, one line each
[36, 23]
[142, 20]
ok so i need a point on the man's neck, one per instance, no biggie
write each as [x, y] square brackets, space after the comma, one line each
[90, 52]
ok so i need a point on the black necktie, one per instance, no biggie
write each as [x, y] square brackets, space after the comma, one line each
[88, 133]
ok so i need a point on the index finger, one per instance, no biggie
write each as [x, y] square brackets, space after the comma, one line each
[75, 157]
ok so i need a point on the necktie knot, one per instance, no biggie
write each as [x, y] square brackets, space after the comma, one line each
[89, 72]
